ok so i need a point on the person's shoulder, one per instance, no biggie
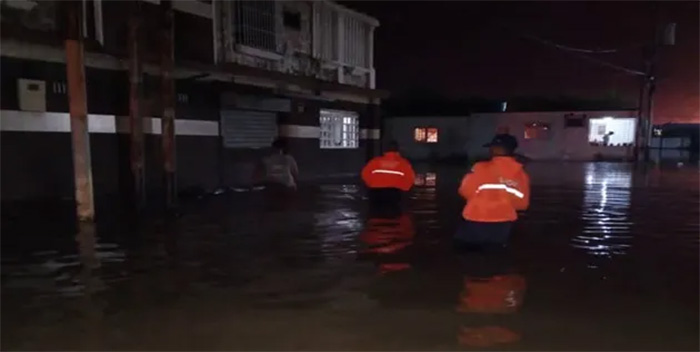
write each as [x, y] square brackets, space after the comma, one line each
[479, 165]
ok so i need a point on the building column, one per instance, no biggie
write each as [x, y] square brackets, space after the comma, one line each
[135, 112]
[168, 103]
[374, 146]
[77, 96]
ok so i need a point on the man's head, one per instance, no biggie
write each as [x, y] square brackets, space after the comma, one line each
[279, 145]
[502, 145]
[392, 146]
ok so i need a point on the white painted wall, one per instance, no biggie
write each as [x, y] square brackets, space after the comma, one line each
[466, 135]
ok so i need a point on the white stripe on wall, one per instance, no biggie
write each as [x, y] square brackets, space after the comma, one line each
[24, 121]
[27, 121]
[299, 131]
[370, 133]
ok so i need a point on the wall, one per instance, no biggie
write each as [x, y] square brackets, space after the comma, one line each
[35, 148]
[564, 143]
[466, 135]
[453, 135]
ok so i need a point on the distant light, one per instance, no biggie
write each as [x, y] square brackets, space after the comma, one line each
[504, 106]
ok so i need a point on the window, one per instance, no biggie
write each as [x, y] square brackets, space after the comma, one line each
[432, 135]
[419, 134]
[425, 134]
[292, 20]
[537, 131]
[328, 23]
[339, 129]
[356, 47]
[612, 131]
[255, 24]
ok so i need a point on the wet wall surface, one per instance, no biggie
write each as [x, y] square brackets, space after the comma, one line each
[605, 259]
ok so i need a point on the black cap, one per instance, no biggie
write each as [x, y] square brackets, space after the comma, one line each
[505, 141]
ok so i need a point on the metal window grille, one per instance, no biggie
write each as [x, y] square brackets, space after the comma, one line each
[325, 32]
[255, 23]
[339, 129]
[356, 33]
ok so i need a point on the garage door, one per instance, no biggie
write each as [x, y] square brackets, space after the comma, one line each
[248, 129]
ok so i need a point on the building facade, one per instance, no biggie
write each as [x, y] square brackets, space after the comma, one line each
[559, 135]
[246, 72]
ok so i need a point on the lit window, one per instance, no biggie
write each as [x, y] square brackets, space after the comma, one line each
[432, 135]
[425, 135]
[419, 134]
[339, 129]
[537, 130]
[612, 131]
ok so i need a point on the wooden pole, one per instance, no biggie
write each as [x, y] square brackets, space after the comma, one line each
[77, 97]
[135, 117]
[168, 101]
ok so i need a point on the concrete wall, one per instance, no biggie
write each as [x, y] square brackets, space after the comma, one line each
[35, 147]
[465, 135]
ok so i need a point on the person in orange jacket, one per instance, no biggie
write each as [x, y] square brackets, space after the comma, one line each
[388, 176]
[495, 191]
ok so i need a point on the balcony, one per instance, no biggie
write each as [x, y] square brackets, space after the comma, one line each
[317, 39]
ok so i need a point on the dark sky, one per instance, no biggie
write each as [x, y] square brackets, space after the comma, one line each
[471, 48]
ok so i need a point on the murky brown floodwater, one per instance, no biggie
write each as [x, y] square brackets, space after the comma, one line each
[606, 259]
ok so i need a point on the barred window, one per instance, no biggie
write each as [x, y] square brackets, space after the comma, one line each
[255, 24]
[339, 129]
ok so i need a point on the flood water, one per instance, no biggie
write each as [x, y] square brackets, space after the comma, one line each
[605, 259]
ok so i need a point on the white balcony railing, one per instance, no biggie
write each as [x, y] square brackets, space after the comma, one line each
[344, 38]
[341, 40]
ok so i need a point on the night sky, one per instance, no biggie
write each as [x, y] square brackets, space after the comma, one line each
[464, 49]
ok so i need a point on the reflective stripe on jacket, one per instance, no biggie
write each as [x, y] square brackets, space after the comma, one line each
[390, 170]
[495, 190]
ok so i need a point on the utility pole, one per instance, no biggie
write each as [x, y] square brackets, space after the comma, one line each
[77, 97]
[168, 103]
[663, 36]
[135, 111]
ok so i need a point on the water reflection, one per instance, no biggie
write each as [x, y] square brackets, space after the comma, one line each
[428, 179]
[492, 291]
[230, 275]
[91, 282]
[606, 204]
[386, 239]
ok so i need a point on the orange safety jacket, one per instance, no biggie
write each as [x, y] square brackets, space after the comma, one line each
[390, 170]
[495, 190]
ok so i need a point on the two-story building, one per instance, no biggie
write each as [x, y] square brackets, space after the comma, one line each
[246, 72]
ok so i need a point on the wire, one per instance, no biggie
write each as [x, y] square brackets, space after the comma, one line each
[578, 51]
